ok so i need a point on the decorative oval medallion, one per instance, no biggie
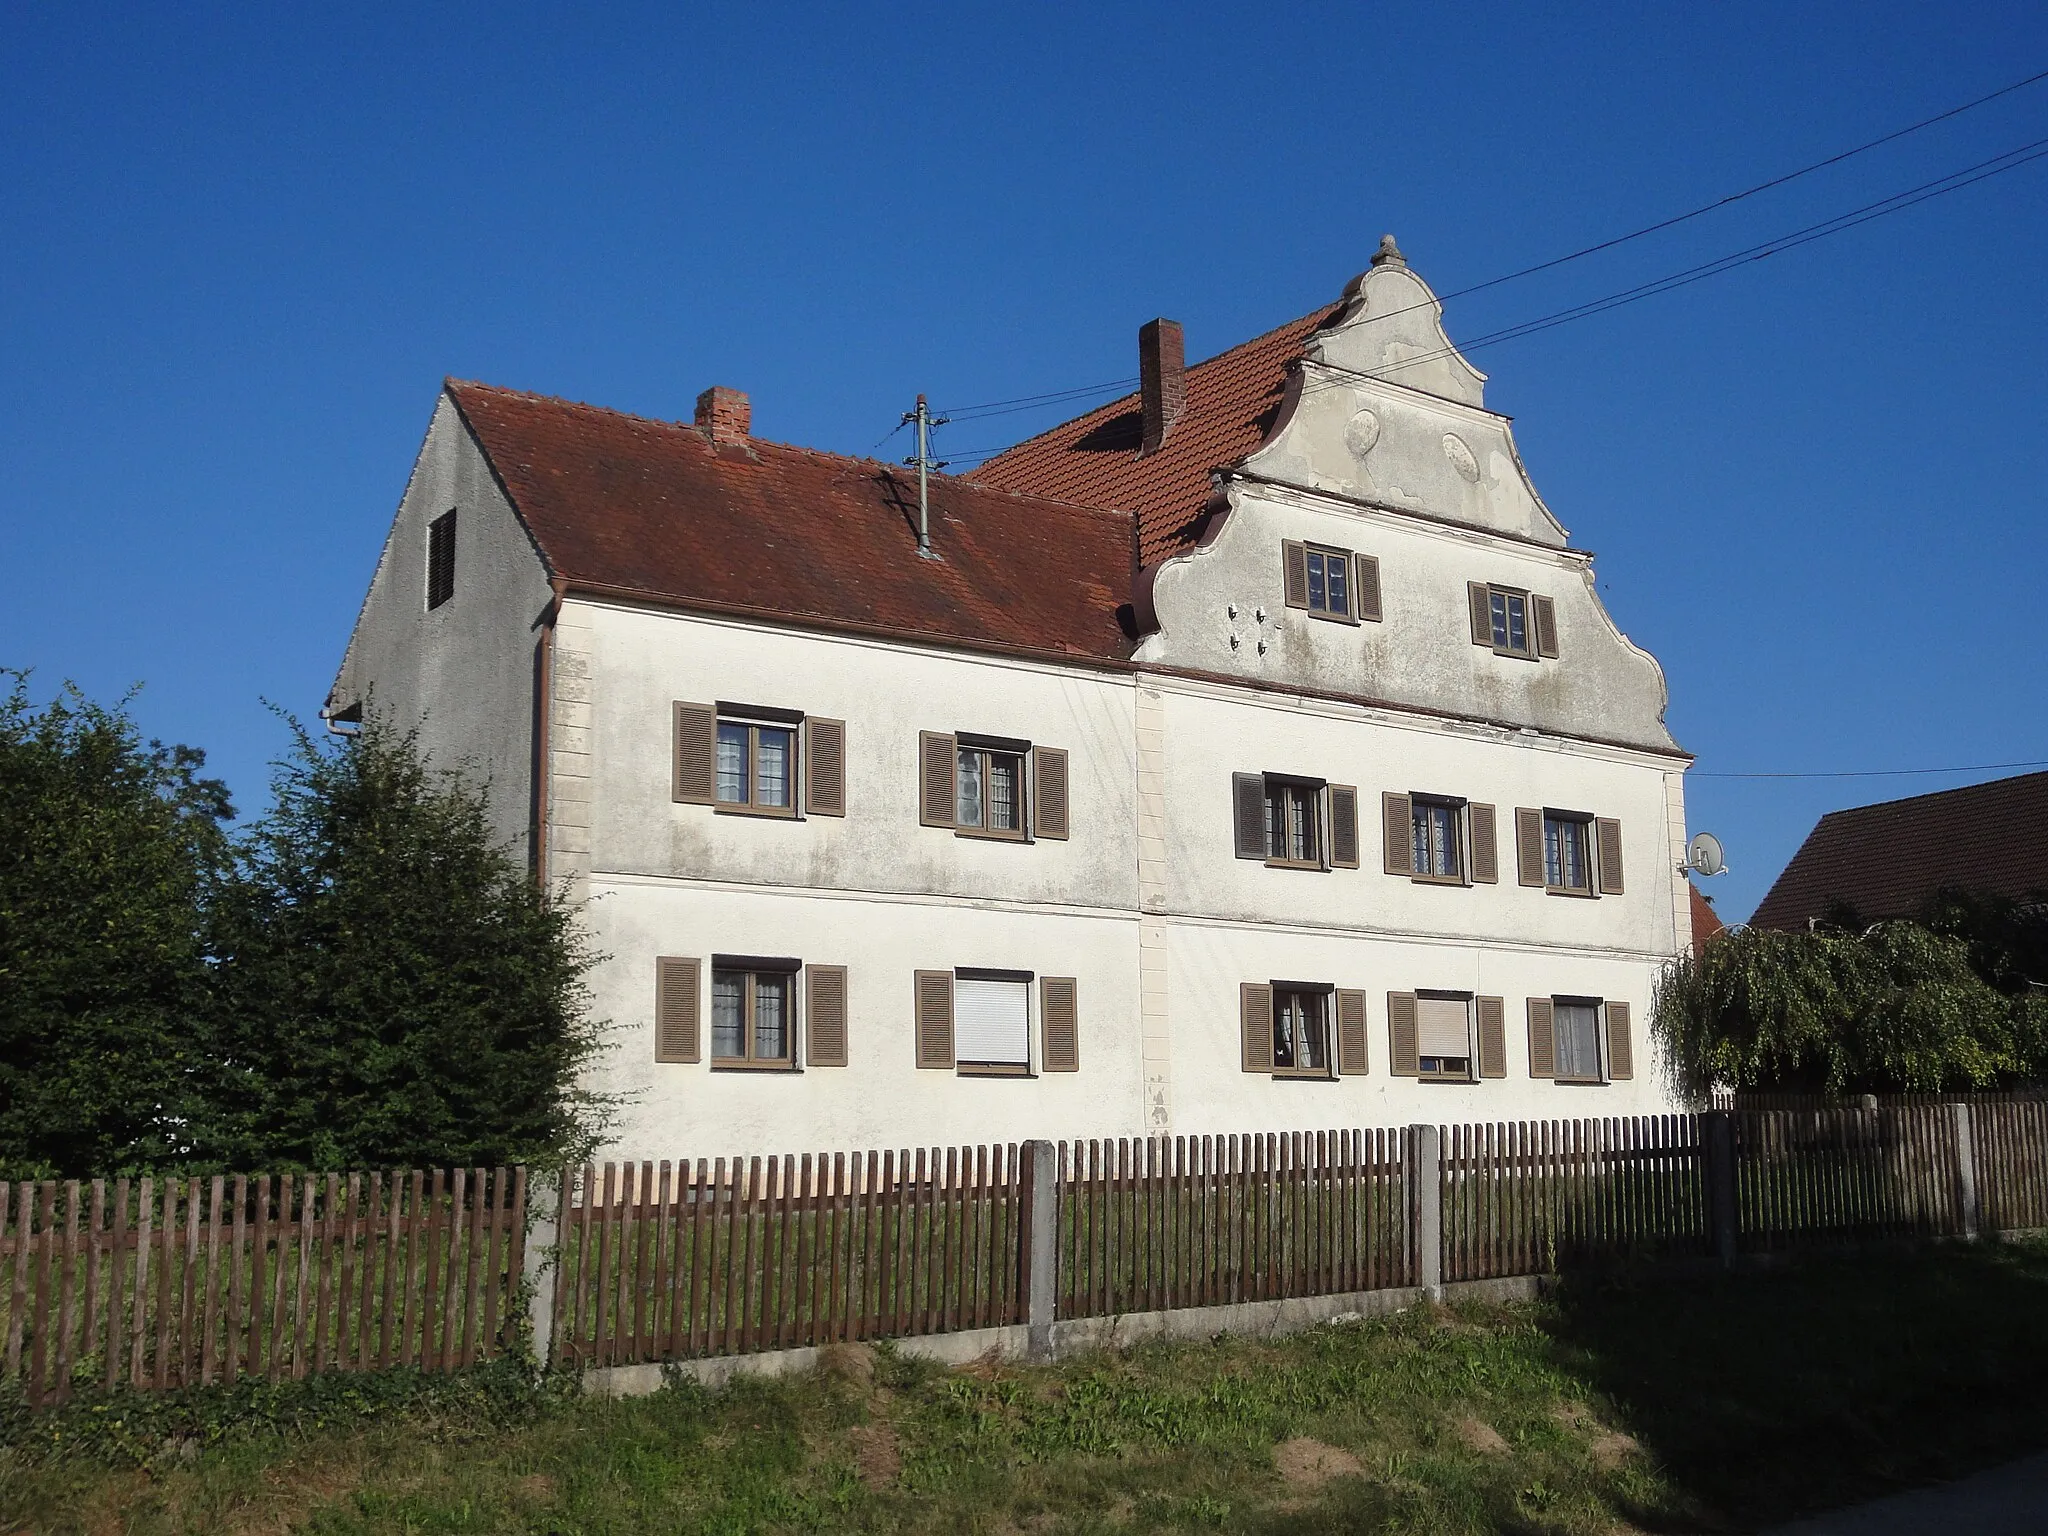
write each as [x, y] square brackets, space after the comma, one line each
[1362, 433]
[1461, 457]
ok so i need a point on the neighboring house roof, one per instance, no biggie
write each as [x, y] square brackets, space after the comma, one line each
[1233, 400]
[1886, 860]
[654, 509]
[1706, 922]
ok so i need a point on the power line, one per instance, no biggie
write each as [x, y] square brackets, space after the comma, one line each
[1762, 186]
[1028, 402]
[1887, 773]
[1954, 181]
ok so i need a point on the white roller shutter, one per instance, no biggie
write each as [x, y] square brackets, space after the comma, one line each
[1443, 1027]
[992, 1021]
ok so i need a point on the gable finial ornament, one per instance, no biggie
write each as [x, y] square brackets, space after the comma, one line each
[1389, 254]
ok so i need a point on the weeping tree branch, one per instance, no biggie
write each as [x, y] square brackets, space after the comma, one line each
[1896, 1007]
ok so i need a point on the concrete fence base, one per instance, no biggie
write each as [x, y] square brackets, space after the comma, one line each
[1076, 1335]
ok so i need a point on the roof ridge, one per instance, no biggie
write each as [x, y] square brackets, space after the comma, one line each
[768, 442]
[1935, 794]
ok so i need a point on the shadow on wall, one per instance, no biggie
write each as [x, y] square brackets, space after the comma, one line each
[1830, 1381]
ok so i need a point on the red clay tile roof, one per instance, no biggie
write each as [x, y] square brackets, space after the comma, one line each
[1232, 401]
[652, 507]
[1886, 860]
[1706, 922]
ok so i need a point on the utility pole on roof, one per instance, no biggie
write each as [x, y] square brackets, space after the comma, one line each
[925, 465]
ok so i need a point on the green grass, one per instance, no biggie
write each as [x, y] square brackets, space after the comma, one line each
[1620, 1403]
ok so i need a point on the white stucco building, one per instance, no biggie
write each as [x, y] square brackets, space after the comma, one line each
[1254, 753]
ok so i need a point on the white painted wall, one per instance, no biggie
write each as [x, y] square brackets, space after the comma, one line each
[873, 890]
[462, 673]
[886, 897]
[643, 661]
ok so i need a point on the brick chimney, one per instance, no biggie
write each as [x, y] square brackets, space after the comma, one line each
[1162, 379]
[723, 415]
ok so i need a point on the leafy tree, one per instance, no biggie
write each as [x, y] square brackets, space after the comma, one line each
[392, 987]
[107, 849]
[1897, 1006]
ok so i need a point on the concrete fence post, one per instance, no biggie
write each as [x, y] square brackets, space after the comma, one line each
[1717, 1132]
[543, 1258]
[1426, 1207]
[1968, 1217]
[1038, 1254]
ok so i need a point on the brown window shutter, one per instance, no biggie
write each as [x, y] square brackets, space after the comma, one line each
[1479, 598]
[1049, 780]
[1248, 791]
[1366, 584]
[1529, 846]
[1060, 1018]
[1351, 1051]
[1402, 1060]
[1255, 1020]
[696, 754]
[935, 1019]
[1343, 826]
[675, 1010]
[825, 767]
[1485, 844]
[1295, 557]
[1621, 1052]
[1397, 826]
[1542, 1038]
[1546, 625]
[938, 759]
[825, 1015]
[1607, 834]
[1493, 1037]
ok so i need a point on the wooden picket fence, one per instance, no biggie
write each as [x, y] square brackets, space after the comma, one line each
[2010, 1145]
[1195, 1221]
[190, 1281]
[1808, 1178]
[732, 1256]
[161, 1283]
[1537, 1196]
[1761, 1100]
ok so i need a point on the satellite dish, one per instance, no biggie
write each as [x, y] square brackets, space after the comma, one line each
[1703, 855]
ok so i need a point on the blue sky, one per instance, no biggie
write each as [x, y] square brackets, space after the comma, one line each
[238, 253]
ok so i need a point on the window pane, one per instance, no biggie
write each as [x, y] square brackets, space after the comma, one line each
[1314, 1052]
[1276, 823]
[728, 1014]
[1578, 1040]
[1436, 840]
[1497, 604]
[771, 1018]
[1286, 1020]
[1003, 799]
[732, 763]
[1316, 598]
[771, 782]
[1564, 853]
[1518, 623]
[1340, 598]
[967, 812]
[1301, 825]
